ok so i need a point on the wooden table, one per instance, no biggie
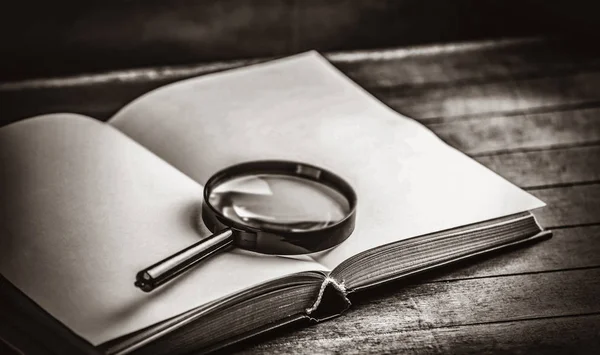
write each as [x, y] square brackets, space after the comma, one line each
[528, 109]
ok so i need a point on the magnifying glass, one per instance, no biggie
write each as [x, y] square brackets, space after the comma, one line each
[271, 207]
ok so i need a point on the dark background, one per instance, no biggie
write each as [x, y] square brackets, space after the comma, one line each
[49, 38]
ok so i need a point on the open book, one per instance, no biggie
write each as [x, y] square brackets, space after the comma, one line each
[86, 205]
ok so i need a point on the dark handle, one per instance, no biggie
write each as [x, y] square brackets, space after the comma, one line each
[176, 264]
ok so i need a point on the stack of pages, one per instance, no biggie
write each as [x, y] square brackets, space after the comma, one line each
[86, 205]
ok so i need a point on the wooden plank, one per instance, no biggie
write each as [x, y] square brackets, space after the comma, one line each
[484, 300]
[577, 335]
[569, 206]
[400, 307]
[406, 67]
[407, 70]
[454, 63]
[546, 168]
[475, 100]
[531, 131]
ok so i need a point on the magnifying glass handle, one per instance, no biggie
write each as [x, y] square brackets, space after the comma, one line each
[167, 269]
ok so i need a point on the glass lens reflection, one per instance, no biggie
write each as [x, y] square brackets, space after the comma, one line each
[279, 202]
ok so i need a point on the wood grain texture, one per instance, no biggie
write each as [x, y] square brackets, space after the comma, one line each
[412, 72]
[478, 300]
[509, 95]
[544, 168]
[431, 66]
[421, 82]
[570, 205]
[577, 335]
[530, 131]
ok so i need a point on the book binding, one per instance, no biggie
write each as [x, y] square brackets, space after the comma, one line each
[331, 301]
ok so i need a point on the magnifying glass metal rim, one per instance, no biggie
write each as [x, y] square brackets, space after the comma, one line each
[228, 232]
[277, 167]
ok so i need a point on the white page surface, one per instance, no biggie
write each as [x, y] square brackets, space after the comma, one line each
[84, 208]
[408, 181]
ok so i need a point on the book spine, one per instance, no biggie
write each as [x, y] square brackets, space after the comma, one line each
[331, 301]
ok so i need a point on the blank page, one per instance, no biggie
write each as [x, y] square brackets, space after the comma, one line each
[301, 108]
[84, 208]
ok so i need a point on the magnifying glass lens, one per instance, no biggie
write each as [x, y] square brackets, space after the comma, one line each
[272, 207]
[280, 202]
